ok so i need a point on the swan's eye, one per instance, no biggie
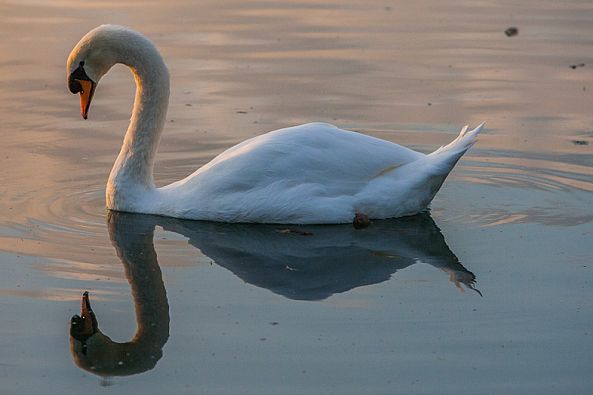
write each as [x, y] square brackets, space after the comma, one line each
[74, 86]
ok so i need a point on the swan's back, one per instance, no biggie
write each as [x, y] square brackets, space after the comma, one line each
[316, 153]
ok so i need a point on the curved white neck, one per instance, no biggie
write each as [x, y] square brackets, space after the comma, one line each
[132, 173]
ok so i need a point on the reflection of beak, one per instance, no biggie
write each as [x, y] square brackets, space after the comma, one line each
[86, 95]
[85, 325]
[86, 313]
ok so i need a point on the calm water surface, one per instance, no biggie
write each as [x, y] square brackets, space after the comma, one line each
[188, 307]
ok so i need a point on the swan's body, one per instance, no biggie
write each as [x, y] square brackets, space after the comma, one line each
[313, 173]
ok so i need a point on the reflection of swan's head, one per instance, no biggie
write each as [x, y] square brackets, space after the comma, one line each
[95, 352]
[83, 327]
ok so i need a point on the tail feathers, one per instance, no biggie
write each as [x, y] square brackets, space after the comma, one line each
[462, 143]
[442, 160]
[417, 182]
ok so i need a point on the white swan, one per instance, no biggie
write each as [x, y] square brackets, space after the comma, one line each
[308, 174]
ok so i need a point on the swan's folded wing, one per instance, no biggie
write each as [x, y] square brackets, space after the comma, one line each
[339, 161]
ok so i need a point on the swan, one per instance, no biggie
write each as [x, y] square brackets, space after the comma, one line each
[314, 173]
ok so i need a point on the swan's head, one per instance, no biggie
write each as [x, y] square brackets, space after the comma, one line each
[91, 58]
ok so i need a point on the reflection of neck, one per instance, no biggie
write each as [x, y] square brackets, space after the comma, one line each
[136, 251]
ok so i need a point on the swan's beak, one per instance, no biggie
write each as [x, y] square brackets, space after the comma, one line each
[86, 95]
[79, 82]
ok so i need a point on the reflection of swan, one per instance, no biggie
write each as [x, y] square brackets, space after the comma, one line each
[96, 352]
[313, 173]
[309, 263]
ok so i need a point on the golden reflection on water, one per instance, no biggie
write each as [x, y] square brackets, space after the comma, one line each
[53, 294]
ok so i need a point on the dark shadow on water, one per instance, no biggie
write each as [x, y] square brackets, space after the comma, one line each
[297, 262]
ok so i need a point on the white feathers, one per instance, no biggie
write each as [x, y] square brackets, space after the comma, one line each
[463, 142]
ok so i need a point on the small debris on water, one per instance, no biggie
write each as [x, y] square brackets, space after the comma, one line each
[574, 66]
[511, 31]
[383, 254]
[241, 112]
[105, 382]
[290, 231]
[580, 142]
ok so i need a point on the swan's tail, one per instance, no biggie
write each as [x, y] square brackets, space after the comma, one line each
[434, 168]
[410, 188]
[444, 158]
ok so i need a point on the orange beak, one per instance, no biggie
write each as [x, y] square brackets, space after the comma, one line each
[86, 95]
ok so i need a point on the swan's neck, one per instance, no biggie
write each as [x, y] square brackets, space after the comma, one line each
[131, 177]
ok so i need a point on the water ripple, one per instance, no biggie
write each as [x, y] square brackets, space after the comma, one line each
[546, 174]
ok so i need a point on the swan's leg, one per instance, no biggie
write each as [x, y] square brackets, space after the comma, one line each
[361, 221]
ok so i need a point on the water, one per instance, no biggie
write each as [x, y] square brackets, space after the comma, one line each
[263, 309]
